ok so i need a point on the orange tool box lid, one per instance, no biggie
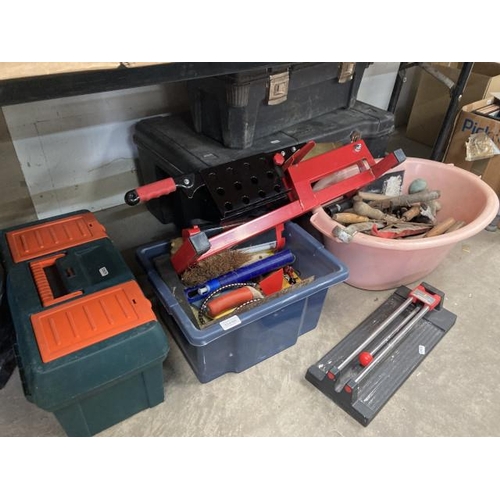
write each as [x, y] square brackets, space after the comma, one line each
[77, 324]
[41, 239]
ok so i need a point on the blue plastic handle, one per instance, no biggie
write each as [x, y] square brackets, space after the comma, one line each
[241, 275]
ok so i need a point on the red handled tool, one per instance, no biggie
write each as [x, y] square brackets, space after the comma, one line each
[241, 188]
[231, 299]
[366, 368]
[419, 294]
[298, 177]
[156, 189]
[272, 283]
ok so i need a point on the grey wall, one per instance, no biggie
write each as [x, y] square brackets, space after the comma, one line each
[15, 200]
[78, 152]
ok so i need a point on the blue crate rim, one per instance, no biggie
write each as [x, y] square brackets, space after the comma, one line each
[213, 332]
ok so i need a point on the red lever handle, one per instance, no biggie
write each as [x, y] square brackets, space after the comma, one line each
[230, 300]
[150, 191]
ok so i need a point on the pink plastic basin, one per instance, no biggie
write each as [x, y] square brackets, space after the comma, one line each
[379, 264]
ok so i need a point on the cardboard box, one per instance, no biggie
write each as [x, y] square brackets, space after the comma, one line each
[433, 98]
[467, 123]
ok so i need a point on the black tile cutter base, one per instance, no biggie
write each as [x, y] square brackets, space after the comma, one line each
[373, 392]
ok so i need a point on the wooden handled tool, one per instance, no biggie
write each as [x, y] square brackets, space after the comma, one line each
[346, 218]
[441, 228]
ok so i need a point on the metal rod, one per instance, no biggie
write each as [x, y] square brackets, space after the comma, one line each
[398, 86]
[449, 119]
[422, 312]
[433, 71]
[382, 325]
[393, 332]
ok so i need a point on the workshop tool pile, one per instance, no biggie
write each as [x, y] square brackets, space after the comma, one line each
[233, 280]
[382, 210]
[231, 338]
[243, 287]
[227, 265]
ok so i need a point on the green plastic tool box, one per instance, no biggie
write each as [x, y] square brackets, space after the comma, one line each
[88, 345]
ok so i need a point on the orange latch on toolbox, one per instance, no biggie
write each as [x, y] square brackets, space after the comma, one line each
[80, 323]
[42, 283]
[42, 239]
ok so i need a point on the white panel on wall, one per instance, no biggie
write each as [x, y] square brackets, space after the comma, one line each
[77, 152]
[377, 84]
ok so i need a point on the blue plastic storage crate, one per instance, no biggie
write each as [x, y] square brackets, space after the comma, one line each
[241, 341]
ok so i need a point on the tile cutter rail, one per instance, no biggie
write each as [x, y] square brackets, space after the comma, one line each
[296, 175]
[363, 371]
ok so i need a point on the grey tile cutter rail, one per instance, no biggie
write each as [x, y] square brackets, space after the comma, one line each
[364, 370]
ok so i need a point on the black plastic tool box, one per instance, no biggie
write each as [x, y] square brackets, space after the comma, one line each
[168, 147]
[239, 108]
[7, 356]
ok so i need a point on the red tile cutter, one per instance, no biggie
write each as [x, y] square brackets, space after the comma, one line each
[298, 177]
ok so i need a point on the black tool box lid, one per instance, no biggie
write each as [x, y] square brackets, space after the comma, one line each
[180, 150]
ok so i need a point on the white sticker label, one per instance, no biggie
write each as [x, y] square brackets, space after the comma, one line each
[103, 271]
[421, 349]
[276, 141]
[230, 322]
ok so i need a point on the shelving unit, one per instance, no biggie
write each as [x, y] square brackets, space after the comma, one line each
[125, 75]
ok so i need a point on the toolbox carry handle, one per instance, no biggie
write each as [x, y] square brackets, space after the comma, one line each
[43, 286]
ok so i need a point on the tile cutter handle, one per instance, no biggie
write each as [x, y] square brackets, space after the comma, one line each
[419, 294]
[429, 302]
[381, 327]
[298, 177]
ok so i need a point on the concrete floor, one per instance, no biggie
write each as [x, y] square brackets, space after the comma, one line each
[454, 392]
